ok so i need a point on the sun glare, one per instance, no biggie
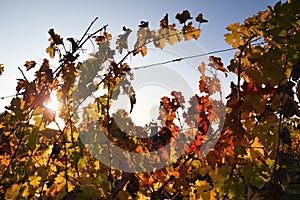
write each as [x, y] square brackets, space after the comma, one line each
[53, 105]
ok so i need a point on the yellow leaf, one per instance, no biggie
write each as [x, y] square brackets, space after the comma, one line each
[188, 36]
[13, 192]
[26, 191]
[107, 35]
[162, 42]
[34, 180]
[172, 39]
[38, 111]
[51, 51]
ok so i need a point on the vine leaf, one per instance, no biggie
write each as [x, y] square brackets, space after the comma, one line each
[132, 102]
[133, 186]
[144, 50]
[30, 64]
[216, 62]
[121, 42]
[31, 145]
[285, 136]
[144, 24]
[74, 44]
[203, 86]
[51, 51]
[1, 69]
[164, 23]
[56, 39]
[190, 32]
[200, 18]
[48, 116]
[183, 17]
[289, 108]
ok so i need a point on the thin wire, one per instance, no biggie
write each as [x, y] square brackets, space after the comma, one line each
[182, 58]
[5, 97]
[189, 57]
[165, 62]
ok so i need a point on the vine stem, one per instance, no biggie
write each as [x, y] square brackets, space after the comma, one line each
[87, 30]
[280, 126]
[34, 89]
[240, 71]
[108, 127]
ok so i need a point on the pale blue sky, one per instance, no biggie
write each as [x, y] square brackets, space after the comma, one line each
[24, 25]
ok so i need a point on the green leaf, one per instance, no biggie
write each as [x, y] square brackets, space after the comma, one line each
[43, 172]
[203, 190]
[235, 188]
[252, 174]
[32, 139]
[225, 171]
[240, 150]
[290, 108]
[82, 162]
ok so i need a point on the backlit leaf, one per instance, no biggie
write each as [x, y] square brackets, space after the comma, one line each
[200, 18]
[51, 51]
[144, 50]
[55, 37]
[32, 140]
[30, 64]
[183, 17]
[1, 69]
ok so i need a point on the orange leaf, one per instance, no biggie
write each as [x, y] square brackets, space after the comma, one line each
[136, 52]
[176, 174]
[196, 34]
[144, 50]
[164, 23]
[203, 86]
[29, 65]
[201, 68]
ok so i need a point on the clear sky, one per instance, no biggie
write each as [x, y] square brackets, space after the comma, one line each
[24, 25]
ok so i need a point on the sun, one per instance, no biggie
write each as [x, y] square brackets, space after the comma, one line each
[53, 105]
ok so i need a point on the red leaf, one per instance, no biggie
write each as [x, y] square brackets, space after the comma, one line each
[217, 64]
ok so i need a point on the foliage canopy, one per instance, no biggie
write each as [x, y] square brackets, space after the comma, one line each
[255, 156]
